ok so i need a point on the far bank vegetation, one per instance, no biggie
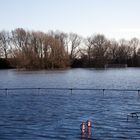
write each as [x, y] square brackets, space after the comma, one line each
[53, 50]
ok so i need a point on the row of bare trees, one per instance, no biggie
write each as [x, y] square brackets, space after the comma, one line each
[101, 51]
[39, 50]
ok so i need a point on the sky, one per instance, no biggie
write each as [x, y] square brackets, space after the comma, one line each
[113, 18]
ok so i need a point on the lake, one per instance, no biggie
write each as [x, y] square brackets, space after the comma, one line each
[57, 114]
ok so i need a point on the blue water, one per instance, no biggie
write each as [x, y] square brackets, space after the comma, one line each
[57, 115]
[92, 78]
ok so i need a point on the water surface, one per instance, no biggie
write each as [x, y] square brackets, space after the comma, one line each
[57, 115]
[127, 78]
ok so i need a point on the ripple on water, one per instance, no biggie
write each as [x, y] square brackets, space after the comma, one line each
[58, 116]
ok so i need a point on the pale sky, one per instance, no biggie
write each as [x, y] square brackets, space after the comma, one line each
[114, 18]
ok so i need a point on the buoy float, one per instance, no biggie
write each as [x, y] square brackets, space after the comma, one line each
[89, 123]
[83, 127]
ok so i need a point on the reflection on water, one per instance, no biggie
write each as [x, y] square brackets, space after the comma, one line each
[128, 78]
[57, 115]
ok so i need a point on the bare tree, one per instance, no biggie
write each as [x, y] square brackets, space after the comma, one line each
[112, 50]
[124, 51]
[134, 44]
[4, 43]
[37, 40]
[56, 52]
[74, 43]
[89, 45]
[100, 46]
[19, 38]
[20, 41]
